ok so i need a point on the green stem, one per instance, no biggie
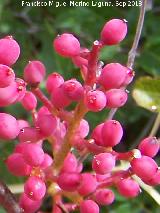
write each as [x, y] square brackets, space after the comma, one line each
[155, 126]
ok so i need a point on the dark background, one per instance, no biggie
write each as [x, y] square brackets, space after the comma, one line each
[35, 28]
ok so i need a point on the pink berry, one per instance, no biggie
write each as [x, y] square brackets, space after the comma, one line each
[113, 32]
[35, 188]
[59, 98]
[97, 134]
[149, 146]
[112, 76]
[29, 101]
[34, 72]
[69, 181]
[128, 188]
[129, 77]
[7, 76]
[54, 80]
[83, 129]
[23, 123]
[73, 90]
[21, 89]
[47, 124]
[70, 163]
[89, 206]
[112, 133]
[88, 184]
[95, 100]
[79, 61]
[47, 161]
[20, 147]
[8, 95]
[33, 154]
[116, 98]
[144, 167]
[56, 209]
[28, 205]
[66, 45]
[43, 111]
[17, 166]
[104, 196]
[9, 128]
[155, 180]
[103, 163]
[29, 134]
[9, 51]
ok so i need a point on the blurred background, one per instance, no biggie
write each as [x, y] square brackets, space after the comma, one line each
[35, 28]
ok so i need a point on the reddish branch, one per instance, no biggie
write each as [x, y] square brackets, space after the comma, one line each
[8, 201]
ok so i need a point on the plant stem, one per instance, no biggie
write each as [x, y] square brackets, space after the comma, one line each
[133, 50]
[149, 189]
[66, 146]
[155, 126]
[92, 64]
[7, 200]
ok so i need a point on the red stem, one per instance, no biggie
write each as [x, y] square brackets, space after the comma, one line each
[92, 64]
[8, 201]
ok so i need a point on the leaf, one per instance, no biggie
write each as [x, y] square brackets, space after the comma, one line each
[146, 93]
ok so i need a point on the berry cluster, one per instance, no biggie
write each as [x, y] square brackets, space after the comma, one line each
[61, 174]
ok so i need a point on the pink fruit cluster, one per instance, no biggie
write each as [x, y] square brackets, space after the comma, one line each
[61, 174]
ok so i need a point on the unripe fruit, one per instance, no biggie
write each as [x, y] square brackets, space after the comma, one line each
[104, 196]
[66, 45]
[144, 167]
[128, 188]
[95, 100]
[34, 72]
[23, 123]
[155, 180]
[9, 128]
[29, 101]
[73, 90]
[54, 80]
[43, 111]
[112, 76]
[33, 154]
[83, 129]
[97, 134]
[8, 95]
[89, 206]
[69, 181]
[59, 99]
[70, 163]
[113, 32]
[88, 184]
[35, 188]
[47, 161]
[9, 51]
[47, 124]
[116, 98]
[79, 61]
[28, 205]
[103, 163]
[21, 89]
[7, 76]
[149, 146]
[112, 133]
[29, 134]
[17, 166]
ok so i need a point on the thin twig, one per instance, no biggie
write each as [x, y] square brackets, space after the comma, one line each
[7, 200]
[133, 50]
[155, 126]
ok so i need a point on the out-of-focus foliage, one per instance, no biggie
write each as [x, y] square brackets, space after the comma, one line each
[36, 27]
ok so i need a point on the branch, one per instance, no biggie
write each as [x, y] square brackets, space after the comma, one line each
[7, 200]
[155, 126]
[133, 50]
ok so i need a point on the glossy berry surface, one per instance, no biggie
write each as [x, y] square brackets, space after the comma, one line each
[88, 206]
[113, 32]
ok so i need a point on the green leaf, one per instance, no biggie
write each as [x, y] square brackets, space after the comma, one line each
[146, 93]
